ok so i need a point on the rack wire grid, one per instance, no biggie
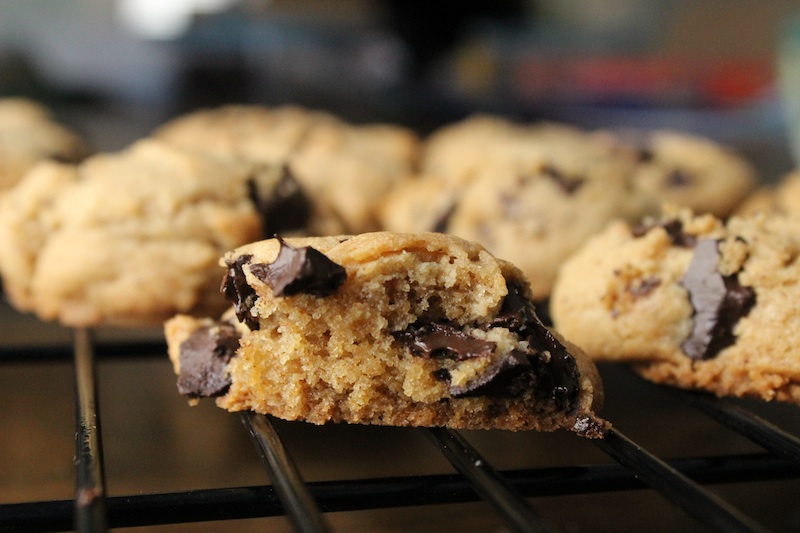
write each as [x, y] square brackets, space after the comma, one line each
[760, 481]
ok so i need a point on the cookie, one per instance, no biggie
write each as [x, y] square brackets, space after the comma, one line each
[344, 168]
[537, 215]
[454, 151]
[782, 197]
[691, 301]
[421, 203]
[28, 134]
[532, 200]
[244, 132]
[691, 171]
[132, 237]
[384, 328]
[351, 168]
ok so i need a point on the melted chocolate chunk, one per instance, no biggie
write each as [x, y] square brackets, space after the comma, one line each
[569, 186]
[203, 357]
[674, 229]
[238, 292]
[718, 301]
[546, 367]
[440, 339]
[283, 206]
[300, 271]
[555, 369]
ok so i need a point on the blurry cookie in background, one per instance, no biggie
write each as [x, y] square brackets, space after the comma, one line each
[351, 168]
[28, 134]
[344, 168]
[454, 151]
[692, 171]
[246, 132]
[691, 301]
[782, 197]
[536, 214]
[529, 194]
[533, 193]
[131, 237]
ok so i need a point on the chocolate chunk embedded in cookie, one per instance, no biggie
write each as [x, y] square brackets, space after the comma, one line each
[397, 329]
[719, 311]
[691, 171]
[124, 238]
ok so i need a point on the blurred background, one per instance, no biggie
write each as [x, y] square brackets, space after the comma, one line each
[710, 67]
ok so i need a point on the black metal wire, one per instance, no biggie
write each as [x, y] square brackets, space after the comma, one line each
[699, 503]
[383, 493]
[487, 482]
[90, 502]
[93, 511]
[293, 492]
[752, 426]
[101, 350]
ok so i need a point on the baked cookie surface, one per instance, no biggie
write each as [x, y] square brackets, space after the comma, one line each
[781, 197]
[28, 134]
[530, 194]
[691, 171]
[385, 328]
[692, 302]
[125, 238]
[344, 168]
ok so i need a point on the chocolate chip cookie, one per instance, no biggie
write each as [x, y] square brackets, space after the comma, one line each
[28, 134]
[531, 195]
[344, 168]
[384, 328]
[781, 197]
[691, 171]
[454, 151]
[691, 301]
[132, 237]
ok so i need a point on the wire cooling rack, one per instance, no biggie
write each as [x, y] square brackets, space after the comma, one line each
[686, 483]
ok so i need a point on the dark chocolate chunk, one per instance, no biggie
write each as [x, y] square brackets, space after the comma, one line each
[238, 292]
[516, 313]
[555, 369]
[718, 301]
[440, 339]
[300, 271]
[203, 358]
[568, 185]
[444, 220]
[678, 178]
[645, 155]
[542, 309]
[674, 229]
[65, 158]
[283, 206]
[546, 367]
